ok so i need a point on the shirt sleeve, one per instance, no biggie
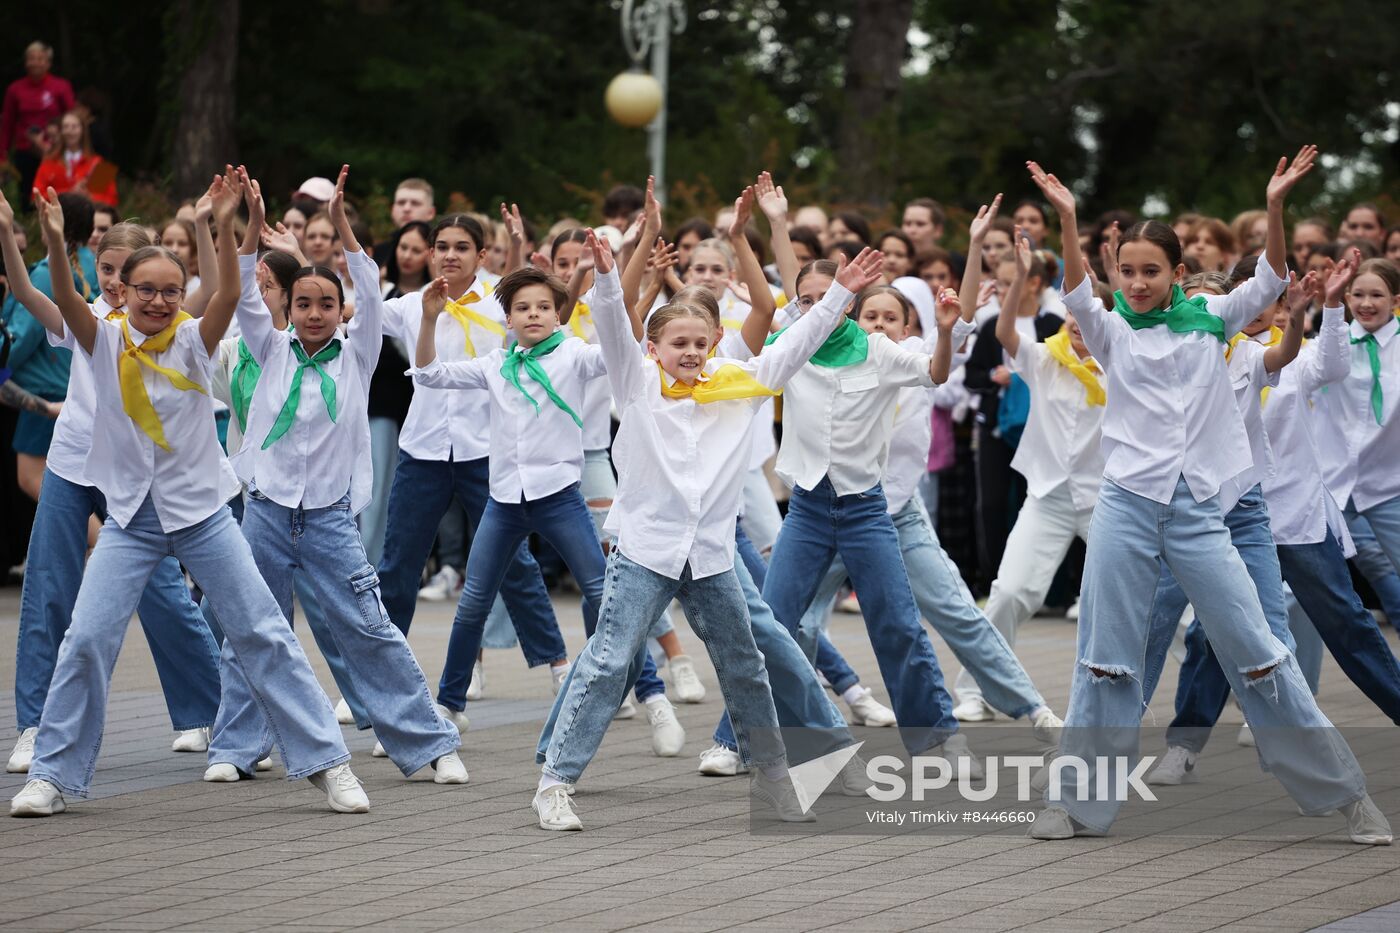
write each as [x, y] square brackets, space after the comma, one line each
[366, 329]
[1030, 362]
[460, 374]
[622, 355]
[220, 379]
[254, 318]
[899, 366]
[782, 358]
[393, 314]
[1248, 300]
[590, 362]
[1097, 324]
[1328, 358]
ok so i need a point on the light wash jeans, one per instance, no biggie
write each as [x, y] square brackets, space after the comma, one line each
[1376, 534]
[280, 679]
[1131, 537]
[384, 453]
[184, 650]
[610, 664]
[324, 545]
[1045, 528]
[819, 526]
[946, 602]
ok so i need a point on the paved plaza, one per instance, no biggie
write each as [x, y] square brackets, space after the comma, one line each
[663, 847]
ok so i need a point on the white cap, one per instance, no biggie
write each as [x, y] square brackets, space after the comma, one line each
[321, 189]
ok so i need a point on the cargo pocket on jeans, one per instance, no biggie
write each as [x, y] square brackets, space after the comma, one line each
[364, 584]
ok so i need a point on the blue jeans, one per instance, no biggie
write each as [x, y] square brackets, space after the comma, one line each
[185, 653]
[324, 546]
[562, 519]
[797, 694]
[320, 632]
[819, 526]
[280, 679]
[1376, 534]
[633, 597]
[422, 492]
[1130, 537]
[384, 453]
[1310, 649]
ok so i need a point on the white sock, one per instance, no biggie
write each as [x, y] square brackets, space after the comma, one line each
[655, 699]
[853, 694]
[1037, 711]
[546, 782]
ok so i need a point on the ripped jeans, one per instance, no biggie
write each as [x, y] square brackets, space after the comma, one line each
[1130, 537]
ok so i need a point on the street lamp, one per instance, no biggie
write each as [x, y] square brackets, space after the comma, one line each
[635, 98]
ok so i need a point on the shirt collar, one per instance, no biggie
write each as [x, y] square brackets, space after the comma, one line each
[1383, 335]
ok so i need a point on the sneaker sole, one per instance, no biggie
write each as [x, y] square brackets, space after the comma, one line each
[339, 807]
[58, 806]
[1363, 839]
[1187, 778]
[573, 827]
[12, 768]
[716, 772]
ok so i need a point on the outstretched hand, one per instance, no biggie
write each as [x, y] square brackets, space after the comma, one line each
[252, 196]
[602, 252]
[50, 214]
[1023, 253]
[863, 271]
[1060, 197]
[948, 310]
[771, 199]
[435, 297]
[651, 208]
[983, 221]
[743, 210]
[336, 206]
[1300, 292]
[515, 225]
[225, 193]
[1286, 174]
[1340, 277]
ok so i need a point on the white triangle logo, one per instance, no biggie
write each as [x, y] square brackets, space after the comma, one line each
[811, 778]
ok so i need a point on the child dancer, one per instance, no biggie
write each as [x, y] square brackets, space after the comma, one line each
[1159, 502]
[166, 497]
[181, 644]
[306, 478]
[682, 415]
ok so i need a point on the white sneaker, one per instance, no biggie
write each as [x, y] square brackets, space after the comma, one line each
[685, 680]
[973, 710]
[449, 770]
[667, 736]
[854, 779]
[477, 688]
[191, 740]
[955, 749]
[781, 797]
[444, 585]
[1055, 823]
[458, 719]
[343, 714]
[222, 773]
[39, 798]
[1366, 823]
[1246, 736]
[555, 810]
[560, 673]
[1046, 727]
[627, 710]
[264, 765]
[378, 750]
[343, 790]
[1178, 766]
[24, 751]
[1072, 613]
[868, 711]
[718, 761]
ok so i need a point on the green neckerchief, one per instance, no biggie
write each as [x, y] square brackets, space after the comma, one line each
[1185, 316]
[517, 357]
[1373, 351]
[288, 414]
[846, 346]
[242, 383]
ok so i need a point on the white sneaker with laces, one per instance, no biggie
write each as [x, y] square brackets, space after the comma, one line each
[627, 710]
[458, 719]
[24, 751]
[854, 778]
[780, 796]
[868, 711]
[1246, 737]
[343, 714]
[191, 740]
[559, 673]
[1054, 823]
[555, 810]
[378, 750]
[973, 709]
[343, 790]
[956, 750]
[1366, 823]
[718, 761]
[37, 798]
[685, 680]
[1046, 727]
[444, 585]
[449, 770]
[264, 765]
[222, 773]
[667, 736]
[1178, 766]
[477, 688]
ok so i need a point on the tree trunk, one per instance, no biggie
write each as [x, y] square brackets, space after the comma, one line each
[869, 120]
[204, 129]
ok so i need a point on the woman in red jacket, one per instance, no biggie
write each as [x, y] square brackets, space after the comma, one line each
[72, 164]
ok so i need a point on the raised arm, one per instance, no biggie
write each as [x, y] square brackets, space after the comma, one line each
[434, 300]
[1297, 299]
[1284, 178]
[968, 295]
[663, 257]
[1007, 335]
[226, 194]
[575, 287]
[254, 318]
[949, 313]
[759, 324]
[17, 276]
[77, 313]
[1331, 360]
[633, 271]
[773, 202]
[620, 352]
[515, 229]
[1062, 200]
[284, 241]
[208, 259]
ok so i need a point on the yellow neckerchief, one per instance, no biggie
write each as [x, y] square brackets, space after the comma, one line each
[467, 317]
[1086, 371]
[1275, 336]
[582, 315]
[116, 314]
[726, 383]
[135, 400]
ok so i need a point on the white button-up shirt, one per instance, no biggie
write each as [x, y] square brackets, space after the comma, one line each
[1249, 378]
[597, 400]
[72, 433]
[1171, 411]
[318, 460]
[443, 424]
[681, 464]
[1062, 441]
[188, 483]
[533, 454]
[913, 426]
[1366, 467]
[837, 421]
[1301, 509]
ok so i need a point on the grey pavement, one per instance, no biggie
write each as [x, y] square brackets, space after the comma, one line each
[664, 848]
